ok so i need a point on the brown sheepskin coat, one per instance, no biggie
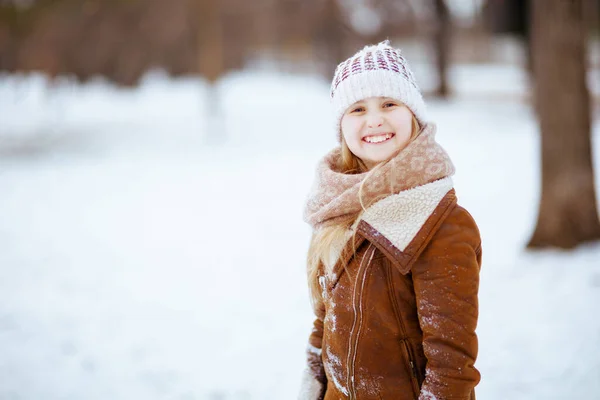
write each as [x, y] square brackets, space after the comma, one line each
[397, 317]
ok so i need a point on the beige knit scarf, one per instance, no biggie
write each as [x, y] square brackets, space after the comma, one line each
[335, 194]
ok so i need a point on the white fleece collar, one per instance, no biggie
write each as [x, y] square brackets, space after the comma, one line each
[399, 217]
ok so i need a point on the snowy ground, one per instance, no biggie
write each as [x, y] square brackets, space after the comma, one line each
[152, 247]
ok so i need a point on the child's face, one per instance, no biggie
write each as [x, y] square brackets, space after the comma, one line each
[375, 128]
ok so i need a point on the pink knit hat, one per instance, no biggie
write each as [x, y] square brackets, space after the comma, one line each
[378, 70]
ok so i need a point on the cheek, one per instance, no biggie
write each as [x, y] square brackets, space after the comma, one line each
[403, 122]
[350, 127]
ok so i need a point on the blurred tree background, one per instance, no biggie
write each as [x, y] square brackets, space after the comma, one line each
[122, 39]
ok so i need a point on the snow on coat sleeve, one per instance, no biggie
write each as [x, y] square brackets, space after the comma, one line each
[314, 380]
[446, 283]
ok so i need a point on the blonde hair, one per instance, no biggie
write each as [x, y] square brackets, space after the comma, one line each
[332, 236]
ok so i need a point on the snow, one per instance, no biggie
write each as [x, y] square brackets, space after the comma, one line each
[334, 366]
[427, 395]
[465, 9]
[314, 350]
[152, 243]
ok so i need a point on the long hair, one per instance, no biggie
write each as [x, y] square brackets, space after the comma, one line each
[325, 239]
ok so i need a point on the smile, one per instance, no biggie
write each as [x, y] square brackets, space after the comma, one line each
[376, 139]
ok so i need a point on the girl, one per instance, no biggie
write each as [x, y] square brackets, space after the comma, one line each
[393, 264]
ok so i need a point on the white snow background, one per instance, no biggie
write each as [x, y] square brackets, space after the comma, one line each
[152, 243]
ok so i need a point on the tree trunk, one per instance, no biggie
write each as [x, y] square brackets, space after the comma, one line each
[442, 46]
[330, 37]
[512, 17]
[210, 40]
[525, 9]
[567, 215]
[211, 59]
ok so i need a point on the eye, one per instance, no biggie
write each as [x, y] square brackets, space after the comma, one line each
[357, 109]
[389, 104]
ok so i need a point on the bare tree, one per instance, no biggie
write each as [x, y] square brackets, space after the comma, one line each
[210, 39]
[211, 63]
[330, 35]
[442, 45]
[512, 17]
[567, 215]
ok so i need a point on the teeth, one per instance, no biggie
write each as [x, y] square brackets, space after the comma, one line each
[378, 138]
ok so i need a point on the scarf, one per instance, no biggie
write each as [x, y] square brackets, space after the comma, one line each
[335, 195]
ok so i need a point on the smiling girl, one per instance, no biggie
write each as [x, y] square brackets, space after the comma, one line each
[393, 264]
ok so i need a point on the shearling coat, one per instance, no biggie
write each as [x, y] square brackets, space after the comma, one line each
[398, 315]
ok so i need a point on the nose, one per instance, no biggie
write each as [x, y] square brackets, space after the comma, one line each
[375, 121]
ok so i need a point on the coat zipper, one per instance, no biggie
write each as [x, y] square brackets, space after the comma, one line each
[411, 366]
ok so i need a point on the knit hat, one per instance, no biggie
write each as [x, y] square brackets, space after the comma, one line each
[378, 70]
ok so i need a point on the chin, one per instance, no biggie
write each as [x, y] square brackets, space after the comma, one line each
[370, 163]
[377, 158]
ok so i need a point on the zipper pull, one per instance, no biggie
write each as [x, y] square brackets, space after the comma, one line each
[412, 369]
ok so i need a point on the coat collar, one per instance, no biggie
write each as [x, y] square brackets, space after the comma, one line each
[401, 225]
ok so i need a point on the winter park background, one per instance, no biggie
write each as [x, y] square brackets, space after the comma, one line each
[143, 258]
[152, 243]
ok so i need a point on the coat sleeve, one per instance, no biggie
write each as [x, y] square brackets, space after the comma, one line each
[314, 380]
[446, 283]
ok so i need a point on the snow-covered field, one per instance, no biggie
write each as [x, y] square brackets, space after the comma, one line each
[152, 246]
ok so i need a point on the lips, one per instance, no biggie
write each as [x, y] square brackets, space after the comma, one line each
[378, 138]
